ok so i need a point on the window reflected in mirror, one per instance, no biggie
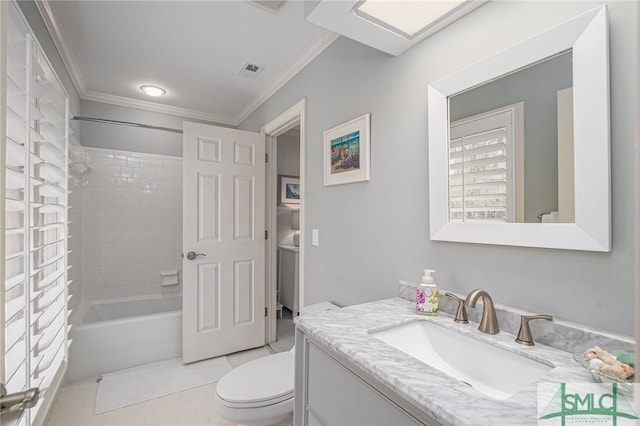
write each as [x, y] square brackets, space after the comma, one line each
[511, 147]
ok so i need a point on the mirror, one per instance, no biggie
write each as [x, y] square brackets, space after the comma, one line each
[519, 143]
[506, 143]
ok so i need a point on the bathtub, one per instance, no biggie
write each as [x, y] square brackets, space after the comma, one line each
[122, 333]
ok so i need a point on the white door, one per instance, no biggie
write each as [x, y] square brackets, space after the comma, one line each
[223, 224]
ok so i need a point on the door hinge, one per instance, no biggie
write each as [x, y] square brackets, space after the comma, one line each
[266, 157]
[266, 235]
[265, 311]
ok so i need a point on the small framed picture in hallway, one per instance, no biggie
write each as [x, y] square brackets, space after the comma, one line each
[289, 188]
[347, 152]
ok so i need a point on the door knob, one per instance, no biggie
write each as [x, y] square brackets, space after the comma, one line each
[192, 255]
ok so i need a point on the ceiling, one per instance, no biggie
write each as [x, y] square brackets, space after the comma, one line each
[193, 49]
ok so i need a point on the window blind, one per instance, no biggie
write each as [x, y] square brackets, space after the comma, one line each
[481, 169]
[35, 229]
[478, 177]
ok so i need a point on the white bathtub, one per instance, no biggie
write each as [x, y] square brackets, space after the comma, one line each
[122, 333]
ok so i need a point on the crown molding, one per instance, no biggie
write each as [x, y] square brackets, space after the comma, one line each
[317, 46]
[61, 44]
[156, 107]
[309, 53]
[44, 7]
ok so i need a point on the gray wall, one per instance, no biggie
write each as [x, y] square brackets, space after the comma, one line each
[374, 233]
[537, 86]
[126, 138]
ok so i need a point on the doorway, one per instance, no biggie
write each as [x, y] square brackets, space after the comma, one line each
[281, 218]
[286, 235]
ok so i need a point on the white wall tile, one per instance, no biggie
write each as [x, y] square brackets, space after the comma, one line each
[75, 215]
[130, 223]
[120, 160]
[126, 172]
[113, 170]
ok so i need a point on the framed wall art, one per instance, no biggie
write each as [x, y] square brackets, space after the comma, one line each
[289, 188]
[347, 154]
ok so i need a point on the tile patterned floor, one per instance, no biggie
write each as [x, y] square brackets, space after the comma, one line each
[75, 402]
[194, 407]
[285, 331]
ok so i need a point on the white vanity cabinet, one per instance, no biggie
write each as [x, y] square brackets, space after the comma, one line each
[329, 392]
[288, 276]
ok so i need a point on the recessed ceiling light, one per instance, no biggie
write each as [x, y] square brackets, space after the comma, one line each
[152, 90]
[407, 18]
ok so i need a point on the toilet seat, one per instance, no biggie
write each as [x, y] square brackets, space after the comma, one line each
[258, 383]
[260, 392]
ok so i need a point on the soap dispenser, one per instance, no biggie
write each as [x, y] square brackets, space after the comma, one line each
[427, 295]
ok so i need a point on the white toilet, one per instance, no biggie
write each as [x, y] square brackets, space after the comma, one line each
[260, 392]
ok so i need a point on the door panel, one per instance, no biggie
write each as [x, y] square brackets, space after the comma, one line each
[244, 154]
[243, 207]
[208, 296]
[208, 202]
[209, 149]
[243, 287]
[223, 206]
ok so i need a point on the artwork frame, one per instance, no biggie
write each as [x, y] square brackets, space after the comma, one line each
[347, 152]
[289, 189]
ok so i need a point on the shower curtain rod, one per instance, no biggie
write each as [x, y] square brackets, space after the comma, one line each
[126, 123]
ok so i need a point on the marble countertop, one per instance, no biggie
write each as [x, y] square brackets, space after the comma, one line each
[437, 395]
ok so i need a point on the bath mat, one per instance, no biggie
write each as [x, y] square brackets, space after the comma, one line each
[139, 384]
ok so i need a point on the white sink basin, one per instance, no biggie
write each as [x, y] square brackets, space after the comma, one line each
[491, 370]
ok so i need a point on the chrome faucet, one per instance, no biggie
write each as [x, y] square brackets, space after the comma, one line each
[489, 321]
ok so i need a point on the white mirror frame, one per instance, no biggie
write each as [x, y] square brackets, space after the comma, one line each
[587, 35]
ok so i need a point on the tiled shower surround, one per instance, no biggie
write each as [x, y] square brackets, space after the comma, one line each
[128, 223]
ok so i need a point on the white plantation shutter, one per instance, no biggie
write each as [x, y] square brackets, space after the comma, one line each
[35, 228]
[482, 169]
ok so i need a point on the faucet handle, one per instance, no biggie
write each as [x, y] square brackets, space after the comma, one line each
[461, 313]
[524, 334]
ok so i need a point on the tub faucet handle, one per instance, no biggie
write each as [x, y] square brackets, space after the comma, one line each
[461, 312]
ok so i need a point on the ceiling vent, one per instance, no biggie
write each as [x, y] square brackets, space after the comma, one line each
[249, 70]
[270, 5]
